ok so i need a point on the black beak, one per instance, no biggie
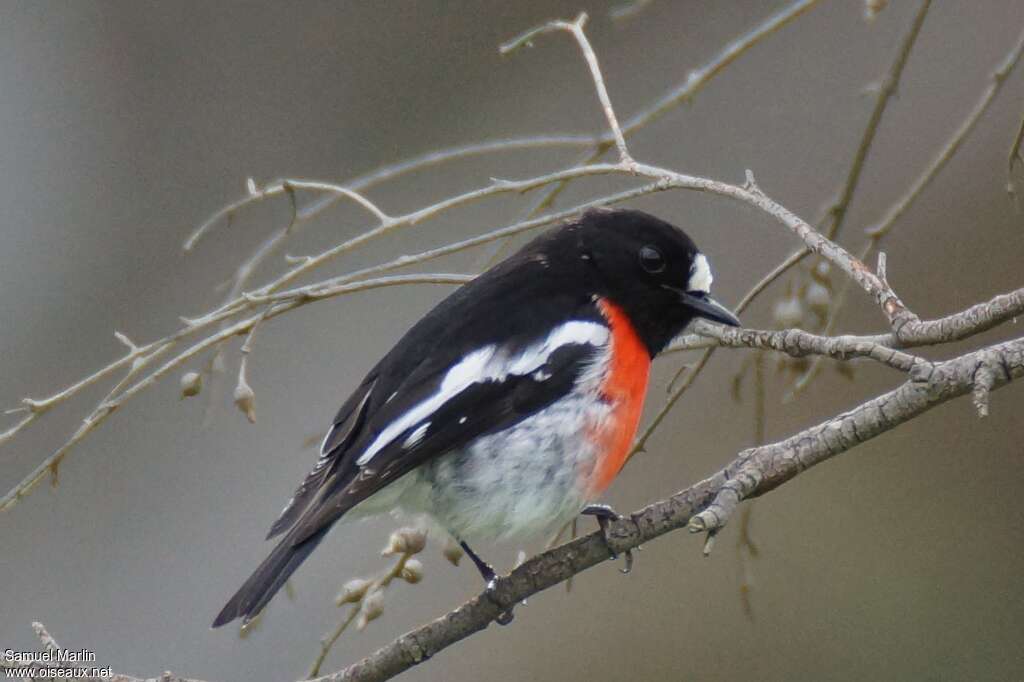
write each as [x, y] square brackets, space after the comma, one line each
[708, 307]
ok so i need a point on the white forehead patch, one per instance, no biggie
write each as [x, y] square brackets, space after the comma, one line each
[700, 275]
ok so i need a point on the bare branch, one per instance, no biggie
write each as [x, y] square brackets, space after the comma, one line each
[286, 187]
[389, 172]
[685, 91]
[977, 319]
[1015, 156]
[759, 470]
[998, 78]
[700, 77]
[838, 211]
[576, 29]
[119, 395]
[367, 595]
[886, 89]
[629, 10]
[974, 320]
[797, 343]
[898, 314]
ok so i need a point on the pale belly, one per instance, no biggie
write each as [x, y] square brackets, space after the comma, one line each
[530, 479]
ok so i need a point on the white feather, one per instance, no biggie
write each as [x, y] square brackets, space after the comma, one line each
[700, 275]
[416, 436]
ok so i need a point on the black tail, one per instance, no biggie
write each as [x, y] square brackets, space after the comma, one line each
[268, 579]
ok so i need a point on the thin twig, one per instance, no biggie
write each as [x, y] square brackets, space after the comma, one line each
[831, 324]
[366, 595]
[576, 29]
[838, 211]
[629, 10]
[1014, 157]
[390, 172]
[886, 89]
[698, 78]
[118, 397]
[640, 444]
[685, 91]
[998, 78]
[286, 187]
[879, 231]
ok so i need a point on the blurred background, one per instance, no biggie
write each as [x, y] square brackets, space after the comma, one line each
[124, 124]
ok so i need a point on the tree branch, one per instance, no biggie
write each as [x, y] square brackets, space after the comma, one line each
[886, 89]
[997, 79]
[798, 344]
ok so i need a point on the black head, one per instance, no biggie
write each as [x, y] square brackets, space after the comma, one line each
[649, 268]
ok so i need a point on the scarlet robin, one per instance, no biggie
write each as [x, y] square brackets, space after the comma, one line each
[511, 406]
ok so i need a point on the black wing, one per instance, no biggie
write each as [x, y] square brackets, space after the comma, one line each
[482, 407]
[346, 427]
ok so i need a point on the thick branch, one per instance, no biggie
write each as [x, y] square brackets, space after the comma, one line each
[979, 318]
[798, 343]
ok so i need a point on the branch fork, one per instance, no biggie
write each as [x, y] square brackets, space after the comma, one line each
[740, 486]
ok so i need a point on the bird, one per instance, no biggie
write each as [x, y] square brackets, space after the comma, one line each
[510, 407]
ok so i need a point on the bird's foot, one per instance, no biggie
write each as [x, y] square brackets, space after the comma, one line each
[505, 617]
[603, 513]
[490, 580]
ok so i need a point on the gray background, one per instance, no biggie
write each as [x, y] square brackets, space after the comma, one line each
[124, 124]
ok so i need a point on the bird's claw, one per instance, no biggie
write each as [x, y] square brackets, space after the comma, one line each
[603, 513]
[505, 617]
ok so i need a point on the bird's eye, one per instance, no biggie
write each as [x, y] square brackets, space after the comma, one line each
[651, 259]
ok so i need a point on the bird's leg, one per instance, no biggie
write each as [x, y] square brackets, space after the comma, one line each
[603, 513]
[488, 574]
[485, 568]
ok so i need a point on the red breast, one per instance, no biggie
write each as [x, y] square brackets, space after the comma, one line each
[624, 388]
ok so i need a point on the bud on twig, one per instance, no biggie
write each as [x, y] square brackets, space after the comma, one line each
[373, 606]
[191, 384]
[788, 312]
[821, 272]
[352, 591]
[872, 8]
[245, 398]
[452, 552]
[412, 572]
[406, 541]
[819, 299]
